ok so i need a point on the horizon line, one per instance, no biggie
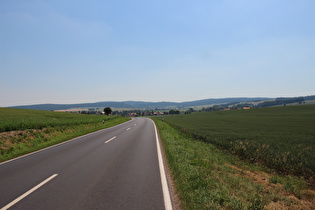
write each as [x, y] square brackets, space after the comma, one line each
[149, 101]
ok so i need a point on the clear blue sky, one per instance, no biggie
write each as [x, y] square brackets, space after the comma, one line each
[56, 51]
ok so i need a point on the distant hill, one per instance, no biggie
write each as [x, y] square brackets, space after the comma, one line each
[138, 104]
[50, 107]
[262, 102]
[221, 101]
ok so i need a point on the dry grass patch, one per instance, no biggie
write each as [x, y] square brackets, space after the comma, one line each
[280, 197]
[12, 138]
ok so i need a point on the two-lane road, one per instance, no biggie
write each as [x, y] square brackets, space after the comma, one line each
[115, 168]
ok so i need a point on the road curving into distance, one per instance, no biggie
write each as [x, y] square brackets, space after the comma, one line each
[115, 168]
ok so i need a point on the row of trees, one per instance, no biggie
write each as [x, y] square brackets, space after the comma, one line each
[172, 111]
[281, 101]
[234, 105]
[107, 111]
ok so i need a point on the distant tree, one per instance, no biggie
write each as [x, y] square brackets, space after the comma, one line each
[107, 111]
[172, 111]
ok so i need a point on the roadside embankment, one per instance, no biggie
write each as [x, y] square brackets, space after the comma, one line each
[25, 131]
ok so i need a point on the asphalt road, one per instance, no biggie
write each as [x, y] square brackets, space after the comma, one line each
[115, 168]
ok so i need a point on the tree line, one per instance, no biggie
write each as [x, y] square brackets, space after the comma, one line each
[281, 101]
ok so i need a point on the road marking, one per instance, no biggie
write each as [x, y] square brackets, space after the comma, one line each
[110, 140]
[28, 192]
[128, 129]
[166, 192]
[135, 124]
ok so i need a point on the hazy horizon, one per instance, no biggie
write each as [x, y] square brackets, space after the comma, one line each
[88, 102]
[157, 101]
[69, 52]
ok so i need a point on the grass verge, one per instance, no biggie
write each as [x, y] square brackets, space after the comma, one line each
[208, 178]
[20, 142]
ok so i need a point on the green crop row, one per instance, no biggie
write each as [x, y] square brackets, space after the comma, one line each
[20, 119]
[282, 138]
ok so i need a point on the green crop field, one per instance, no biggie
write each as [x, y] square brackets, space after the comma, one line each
[206, 177]
[281, 138]
[21, 119]
[23, 131]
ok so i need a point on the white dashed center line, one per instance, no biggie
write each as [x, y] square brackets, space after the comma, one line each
[110, 139]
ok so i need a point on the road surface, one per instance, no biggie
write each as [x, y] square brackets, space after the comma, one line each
[115, 168]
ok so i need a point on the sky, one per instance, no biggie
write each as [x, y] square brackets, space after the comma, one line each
[82, 51]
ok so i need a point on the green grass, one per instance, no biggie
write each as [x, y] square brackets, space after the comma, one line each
[21, 119]
[282, 138]
[24, 131]
[208, 178]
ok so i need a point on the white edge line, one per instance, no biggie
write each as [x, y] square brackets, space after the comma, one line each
[28, 192]
[166, 192]
[110, 139]
[61, 143]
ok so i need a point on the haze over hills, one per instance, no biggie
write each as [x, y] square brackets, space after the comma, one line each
[139, 104]
[264, 101]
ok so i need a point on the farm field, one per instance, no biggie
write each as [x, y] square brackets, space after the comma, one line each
[206, 177]
[23, 131]
[281, 138]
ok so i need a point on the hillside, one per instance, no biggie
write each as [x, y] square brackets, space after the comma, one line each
[138, 104]
[258, 101]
